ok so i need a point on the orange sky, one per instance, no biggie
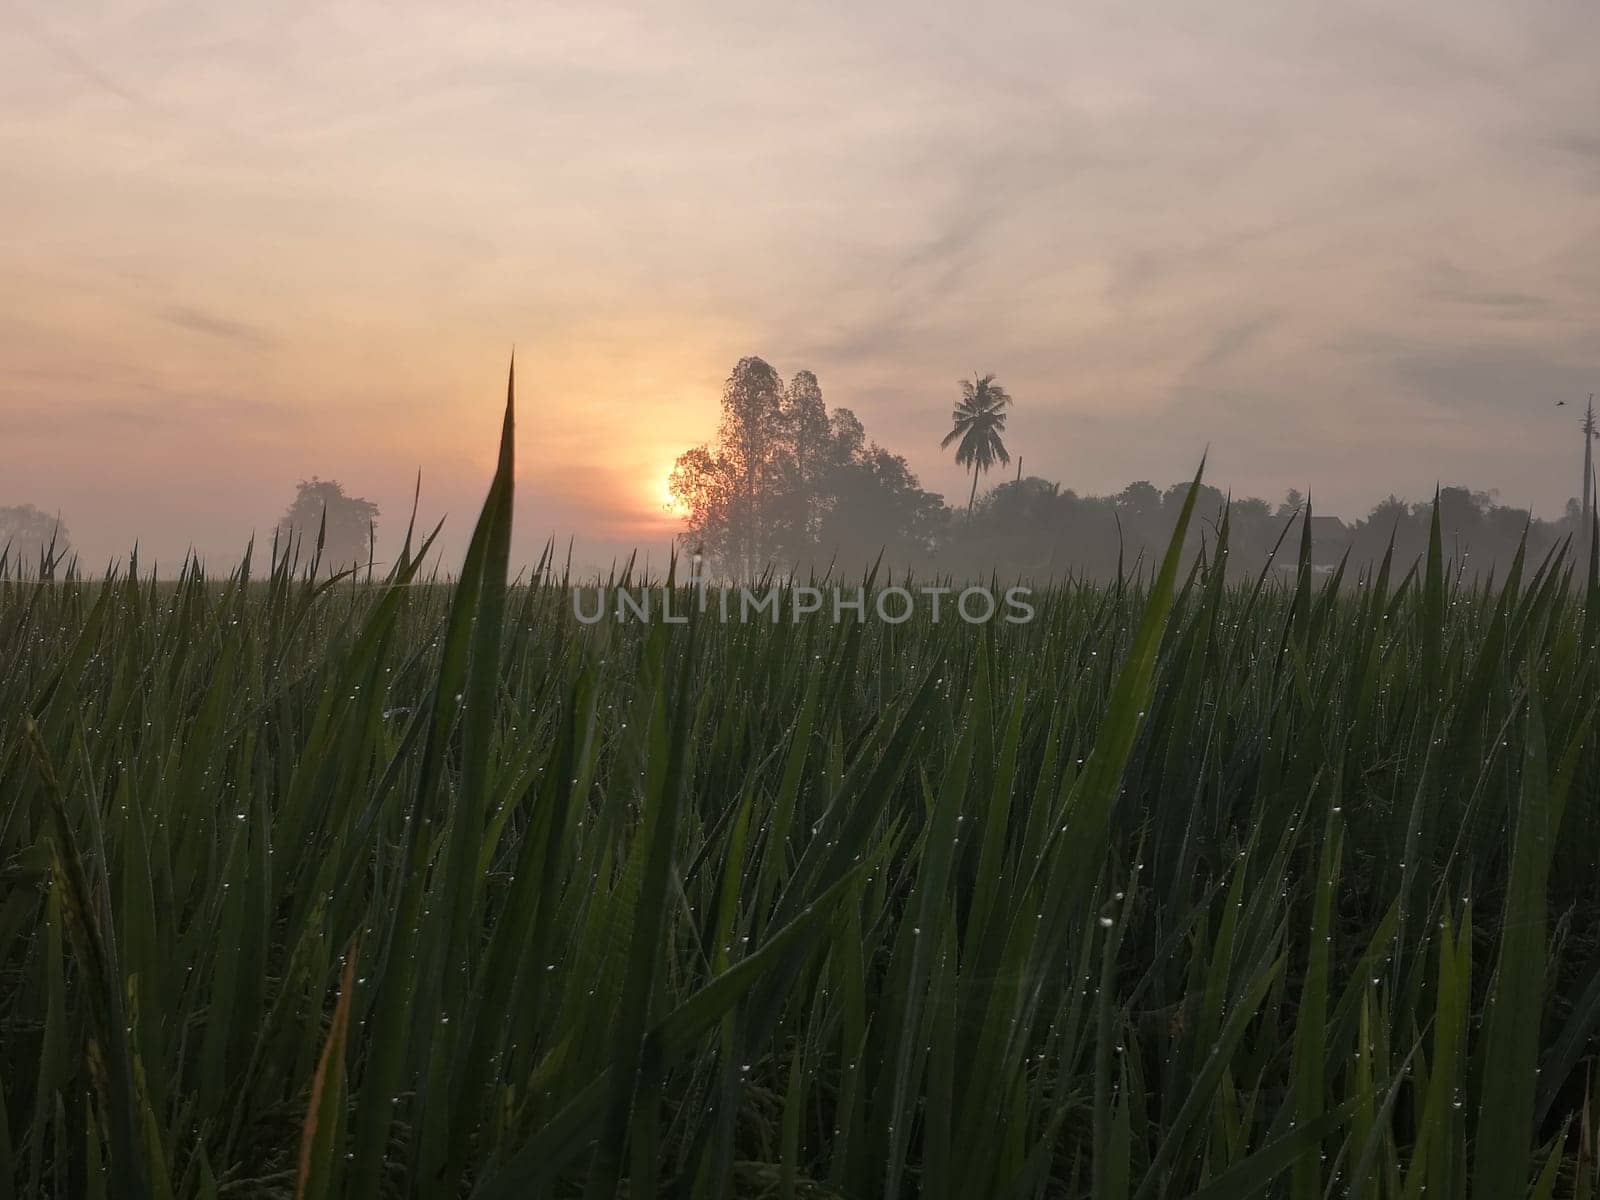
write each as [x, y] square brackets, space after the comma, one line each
[1354, 248]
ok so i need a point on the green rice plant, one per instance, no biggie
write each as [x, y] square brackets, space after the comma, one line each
[419, 886]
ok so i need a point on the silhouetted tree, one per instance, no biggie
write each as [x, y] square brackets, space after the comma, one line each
[847, 437]
[704, 486]
[1478, 534]
[351, 523]
[733, 492]
[31, 538]
[1139, 499]
[1022, 524]
[804, 460]
[977, 422]
[752, 438]
[789, 483]
[876, 505]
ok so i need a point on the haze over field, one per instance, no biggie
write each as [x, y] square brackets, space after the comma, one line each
[1353, 249]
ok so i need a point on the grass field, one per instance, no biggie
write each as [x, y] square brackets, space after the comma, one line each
[1180, 889]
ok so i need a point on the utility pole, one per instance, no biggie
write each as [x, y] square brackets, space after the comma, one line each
[1588, 467]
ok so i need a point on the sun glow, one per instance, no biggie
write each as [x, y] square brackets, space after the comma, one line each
[670, 504]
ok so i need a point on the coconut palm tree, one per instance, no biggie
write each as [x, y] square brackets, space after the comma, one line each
[978, 421]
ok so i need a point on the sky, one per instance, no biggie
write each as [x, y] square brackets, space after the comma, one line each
[1353, 248]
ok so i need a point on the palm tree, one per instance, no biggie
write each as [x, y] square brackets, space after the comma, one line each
[978, 421]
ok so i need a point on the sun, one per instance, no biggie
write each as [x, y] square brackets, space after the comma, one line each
[670, 504]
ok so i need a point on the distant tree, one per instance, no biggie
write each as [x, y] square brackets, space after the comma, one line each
[847, 437]
[27, 535]
[1389, 511]
[1208, 501]
[734, 492]
[1139, 499]
[876, 505]
[704, 487]
[1478, 535]
[1018, 526]
[1026, 501]
[1292, 503]
[804, 460]
[351, 523]
[789, 482]
[977, 422]
[752, 439]
[805, 427]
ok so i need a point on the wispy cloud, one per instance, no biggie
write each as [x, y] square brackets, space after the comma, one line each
[1347, 245]
[211, 324]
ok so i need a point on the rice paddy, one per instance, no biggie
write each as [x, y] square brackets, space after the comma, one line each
[1182, 888]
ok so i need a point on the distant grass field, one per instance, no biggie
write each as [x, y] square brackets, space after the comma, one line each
[1181, 889]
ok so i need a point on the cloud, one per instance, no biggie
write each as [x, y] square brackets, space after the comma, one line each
[213, 325]
[72, 59]
[1343, 244]
[1229, 343]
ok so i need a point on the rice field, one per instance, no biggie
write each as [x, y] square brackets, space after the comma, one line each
[1184, 888]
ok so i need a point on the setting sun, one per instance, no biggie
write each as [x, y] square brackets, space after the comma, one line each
[669, 503]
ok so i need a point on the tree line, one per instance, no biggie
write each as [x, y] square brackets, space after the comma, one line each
[790, 484]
